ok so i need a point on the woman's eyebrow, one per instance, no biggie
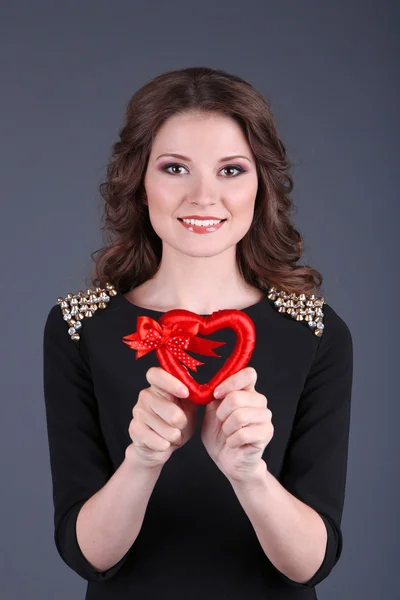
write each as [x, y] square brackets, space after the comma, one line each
[188, 159]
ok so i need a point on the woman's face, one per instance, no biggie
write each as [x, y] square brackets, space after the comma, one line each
[199, 183]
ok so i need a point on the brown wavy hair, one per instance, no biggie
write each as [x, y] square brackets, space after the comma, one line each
[268, 253]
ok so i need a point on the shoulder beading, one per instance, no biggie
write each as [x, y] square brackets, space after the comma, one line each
[302, 307]
[75, 307]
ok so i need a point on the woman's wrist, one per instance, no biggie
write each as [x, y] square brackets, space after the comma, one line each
[134, 462]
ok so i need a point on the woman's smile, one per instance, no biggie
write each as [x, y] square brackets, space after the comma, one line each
[202, 228]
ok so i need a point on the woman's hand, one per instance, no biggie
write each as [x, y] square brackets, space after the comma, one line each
[236, 429]
[162, 419]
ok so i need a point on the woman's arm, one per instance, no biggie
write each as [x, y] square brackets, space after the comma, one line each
[287, 513]
[292, 534]
[110, 502]
[110, 521]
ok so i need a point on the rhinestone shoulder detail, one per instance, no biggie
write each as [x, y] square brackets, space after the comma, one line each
[302, 307]
[75, 307]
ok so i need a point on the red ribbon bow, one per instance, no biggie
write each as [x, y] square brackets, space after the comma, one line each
[176, 338]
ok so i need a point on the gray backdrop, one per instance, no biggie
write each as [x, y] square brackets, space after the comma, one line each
[329, 71]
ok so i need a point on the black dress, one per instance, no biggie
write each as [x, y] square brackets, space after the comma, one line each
[196, 541]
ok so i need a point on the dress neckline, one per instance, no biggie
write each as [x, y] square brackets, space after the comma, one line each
[130, 305]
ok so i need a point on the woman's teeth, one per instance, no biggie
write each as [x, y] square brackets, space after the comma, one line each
[202, 222]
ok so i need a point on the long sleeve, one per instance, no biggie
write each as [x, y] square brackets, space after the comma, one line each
[79, 460]
[315, 463]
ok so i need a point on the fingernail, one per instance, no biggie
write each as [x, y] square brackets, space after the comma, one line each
[183, 391]
[218, 393]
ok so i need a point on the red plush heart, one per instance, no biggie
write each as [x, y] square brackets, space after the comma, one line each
[176, 331]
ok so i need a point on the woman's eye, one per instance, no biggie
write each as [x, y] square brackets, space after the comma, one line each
[234, 167]
[173, 165]
[177, 166]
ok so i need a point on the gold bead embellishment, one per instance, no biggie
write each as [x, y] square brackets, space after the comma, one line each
[75, 307]
[301, 307]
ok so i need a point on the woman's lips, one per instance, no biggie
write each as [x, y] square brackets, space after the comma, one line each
[202, 228]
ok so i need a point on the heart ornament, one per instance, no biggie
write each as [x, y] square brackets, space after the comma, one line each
[177, 331]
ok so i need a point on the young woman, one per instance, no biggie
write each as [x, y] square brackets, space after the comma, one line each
[154, 494]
